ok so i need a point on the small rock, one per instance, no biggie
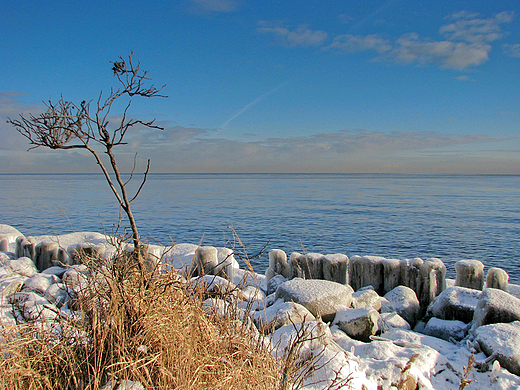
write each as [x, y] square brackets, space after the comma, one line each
[359, 324]
[446, 329]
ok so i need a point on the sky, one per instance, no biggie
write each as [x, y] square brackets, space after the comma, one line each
[311, 86]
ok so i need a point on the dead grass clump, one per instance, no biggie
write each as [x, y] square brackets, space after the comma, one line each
[148, 328]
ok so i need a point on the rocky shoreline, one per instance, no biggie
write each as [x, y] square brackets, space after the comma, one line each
[373, 317]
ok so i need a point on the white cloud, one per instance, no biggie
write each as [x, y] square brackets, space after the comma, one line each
[302, 36]
[466, 43]
[352, 43]
[214, 5]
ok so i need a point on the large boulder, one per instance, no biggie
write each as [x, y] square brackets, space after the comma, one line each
[496, 306]
[321, 297]
[497, 278]
[277, 264]
[502, 341]
[455, 303]
[404, 301]
[359, 324]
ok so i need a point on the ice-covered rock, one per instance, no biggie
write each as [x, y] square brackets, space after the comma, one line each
[366, 271]
[22, 266]
[470, 274]
[10, 234]
[306, 266]
[405, 303]
[503, 341]
[359, 324]
[497, 278]
[25, 247]
[449, 330]
[335, 268]
[455, 303]
[32, 306]
[205, 260]
[282, 313]
[321, 297]
[277, 264]
[496, 306]
[366, 298]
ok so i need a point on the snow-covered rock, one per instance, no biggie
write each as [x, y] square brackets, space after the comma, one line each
[405, 303]
[359, 324]
[449, 330]
[321, 297]
[22, 266]
[39, 283]
[496, 306]
[277, 264]
[393, 321]
[502, 341]
[366, 298]
[455, 303]
[282, 313]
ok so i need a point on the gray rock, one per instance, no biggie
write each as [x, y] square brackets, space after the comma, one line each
[405, 303]
[321, 297]
[11, 284]
[359, 324]
[46, 254]
[446, 329]
[496, 306]
[366, 271]
[455, 303]
[503, 341]
[470, 274]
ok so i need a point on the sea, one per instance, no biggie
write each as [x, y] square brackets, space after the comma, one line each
[451, 217]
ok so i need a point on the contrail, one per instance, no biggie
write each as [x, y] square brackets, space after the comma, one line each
[248, 106]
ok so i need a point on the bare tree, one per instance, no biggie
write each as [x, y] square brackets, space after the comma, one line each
[66, 125]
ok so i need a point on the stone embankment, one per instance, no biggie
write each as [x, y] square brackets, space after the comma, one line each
[372, 315]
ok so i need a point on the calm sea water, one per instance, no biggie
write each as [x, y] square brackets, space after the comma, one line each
[452, 217]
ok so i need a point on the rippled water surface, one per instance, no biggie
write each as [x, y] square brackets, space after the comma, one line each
[396, 216]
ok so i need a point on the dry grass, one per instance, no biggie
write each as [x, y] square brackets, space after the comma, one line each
[149, 328]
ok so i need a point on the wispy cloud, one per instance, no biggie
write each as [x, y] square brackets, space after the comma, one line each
[249, 105]
[301, 36]
[466, 41]
[512, 50]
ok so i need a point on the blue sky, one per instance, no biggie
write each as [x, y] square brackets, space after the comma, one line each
[289, 86]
